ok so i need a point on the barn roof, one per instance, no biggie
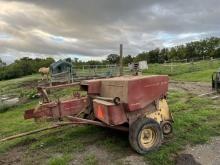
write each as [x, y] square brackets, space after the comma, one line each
[59, 63]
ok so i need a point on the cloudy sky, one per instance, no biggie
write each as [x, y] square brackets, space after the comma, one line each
[92, 29]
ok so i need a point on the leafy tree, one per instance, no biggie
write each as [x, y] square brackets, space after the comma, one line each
[2, 64]
[113, 59]
[142, 57]
[24, 66]
[193, 50]
[127, 59]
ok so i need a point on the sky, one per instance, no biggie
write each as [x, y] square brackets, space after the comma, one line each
[92, 29]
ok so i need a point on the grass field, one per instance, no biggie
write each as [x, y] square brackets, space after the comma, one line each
[196, 121]
[197, 71]
[17, 86]
[198, 76]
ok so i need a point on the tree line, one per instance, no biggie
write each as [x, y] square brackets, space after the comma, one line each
[203, 49]
[206, 48]
[22, 67]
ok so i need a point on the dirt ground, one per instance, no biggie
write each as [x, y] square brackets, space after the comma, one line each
[18, 156]
[206, 154]
[108, 158]
[13, 157]
[191, 87]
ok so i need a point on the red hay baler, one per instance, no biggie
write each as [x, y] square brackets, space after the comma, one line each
[136, 104]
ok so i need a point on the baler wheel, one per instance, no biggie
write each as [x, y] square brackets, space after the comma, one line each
[145, 135]
[166, 128]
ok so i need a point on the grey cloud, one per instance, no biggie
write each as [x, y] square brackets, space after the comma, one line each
[99, 26]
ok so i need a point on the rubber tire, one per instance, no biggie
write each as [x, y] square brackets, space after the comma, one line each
[171, 127]
[135, 129]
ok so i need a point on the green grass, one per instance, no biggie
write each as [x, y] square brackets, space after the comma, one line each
[59, 160]
[198, 71]
[16, 86]
[12, 122]
[196, 120]
[5, 107]
[203, 76]
[90, 160]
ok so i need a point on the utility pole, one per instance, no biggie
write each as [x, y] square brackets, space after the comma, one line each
[121, 60]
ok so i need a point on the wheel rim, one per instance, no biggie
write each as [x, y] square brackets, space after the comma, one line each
[148, 137]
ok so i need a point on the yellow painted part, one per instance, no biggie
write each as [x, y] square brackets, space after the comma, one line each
[162, 113]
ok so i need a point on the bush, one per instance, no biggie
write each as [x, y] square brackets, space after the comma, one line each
[24, 66]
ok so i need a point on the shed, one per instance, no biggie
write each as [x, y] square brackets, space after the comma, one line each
[61, 71]
[61, 66]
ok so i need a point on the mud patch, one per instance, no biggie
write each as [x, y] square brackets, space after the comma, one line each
[206, 154]
[191, 87]
[102, 156]
[13, 157]
[184, 159]
[21, 155]
[133, 160]
[29, 84]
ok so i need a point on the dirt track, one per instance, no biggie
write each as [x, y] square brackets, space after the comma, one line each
[206, 154]
[191, 87]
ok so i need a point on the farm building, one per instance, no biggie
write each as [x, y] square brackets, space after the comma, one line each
[61, 71]
[61, 66]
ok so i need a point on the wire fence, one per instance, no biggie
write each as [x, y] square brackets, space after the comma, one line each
[89, 72]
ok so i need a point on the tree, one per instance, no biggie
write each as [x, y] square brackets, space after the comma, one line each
[24, 66]
[113, 59]
[217, 53]
[163, 55]
[127, 59]
[2, 64]
[154, 56]
[142, 57]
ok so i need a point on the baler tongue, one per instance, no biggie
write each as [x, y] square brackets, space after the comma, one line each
[58, 109]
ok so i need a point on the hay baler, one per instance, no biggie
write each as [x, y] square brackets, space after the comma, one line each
[136, 104]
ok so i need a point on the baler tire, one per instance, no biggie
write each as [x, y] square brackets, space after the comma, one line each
[166, 127]
[136, 135]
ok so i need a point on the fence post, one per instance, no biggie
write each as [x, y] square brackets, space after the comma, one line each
[121, 60]
[192, 63]
[211, 62]
[171, 66]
